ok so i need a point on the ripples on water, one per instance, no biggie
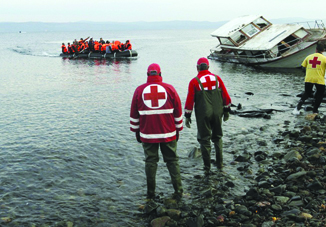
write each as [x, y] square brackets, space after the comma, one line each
[66, 150]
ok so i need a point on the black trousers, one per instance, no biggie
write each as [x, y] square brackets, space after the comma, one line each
[318, 97]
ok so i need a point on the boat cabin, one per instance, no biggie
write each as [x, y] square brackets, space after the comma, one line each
[254, 36]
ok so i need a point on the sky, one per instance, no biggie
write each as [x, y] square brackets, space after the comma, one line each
[155, 10]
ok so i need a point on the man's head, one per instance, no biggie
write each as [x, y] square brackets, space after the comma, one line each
[320, 47]
[202, 64]
[154, 70]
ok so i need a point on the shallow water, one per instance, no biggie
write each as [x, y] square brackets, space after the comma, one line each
[67, 153]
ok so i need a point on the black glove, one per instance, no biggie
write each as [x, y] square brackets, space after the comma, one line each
[138, 137]
[177, 136]
[226, 116]
[188, 122]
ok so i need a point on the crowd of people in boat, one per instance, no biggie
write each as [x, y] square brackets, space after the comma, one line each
[94, 46]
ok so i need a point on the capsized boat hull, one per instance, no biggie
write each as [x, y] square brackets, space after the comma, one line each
[122, 54]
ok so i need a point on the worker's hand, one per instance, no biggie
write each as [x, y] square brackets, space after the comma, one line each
[177, 136]
[226, 116]
[188, 122]
[138, 137]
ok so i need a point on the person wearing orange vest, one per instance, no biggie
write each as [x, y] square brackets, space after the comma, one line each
[114, 47]
[128, 45]
[96, 46]
[64, 48]
[70, 50]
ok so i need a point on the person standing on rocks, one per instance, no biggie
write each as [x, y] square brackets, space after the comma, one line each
[156, 118]
[207, 93]
[314, 66]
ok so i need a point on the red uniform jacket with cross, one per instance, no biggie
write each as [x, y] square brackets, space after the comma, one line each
[209, 83]
[156, 111]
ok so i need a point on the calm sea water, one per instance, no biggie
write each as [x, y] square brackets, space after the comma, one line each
[66, 151]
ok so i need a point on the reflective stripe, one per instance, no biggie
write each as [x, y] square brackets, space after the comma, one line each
[178, 118]
[134, 126]
[134, 119]
[151, 112]
[158, 136]
[179, 125]
[188, 111]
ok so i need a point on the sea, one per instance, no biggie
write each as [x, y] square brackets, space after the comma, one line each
[68, 157]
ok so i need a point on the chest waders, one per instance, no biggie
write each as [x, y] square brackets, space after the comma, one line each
[209, 112]
[170, 157]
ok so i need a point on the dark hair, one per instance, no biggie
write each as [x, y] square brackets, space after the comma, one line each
[320, 47]
[202, 66]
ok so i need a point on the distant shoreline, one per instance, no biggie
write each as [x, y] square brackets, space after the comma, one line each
[141, 25]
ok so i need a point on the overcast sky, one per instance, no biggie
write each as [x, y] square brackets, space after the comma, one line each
[155, 10]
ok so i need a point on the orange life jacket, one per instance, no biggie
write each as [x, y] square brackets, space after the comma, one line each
[128, 46]
[96, 46]
[64, 49]
[104, 47]
[114, 47]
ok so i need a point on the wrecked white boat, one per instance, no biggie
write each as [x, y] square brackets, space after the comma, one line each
[253, 40]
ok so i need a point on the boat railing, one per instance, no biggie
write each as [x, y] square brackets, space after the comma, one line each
[316, 24]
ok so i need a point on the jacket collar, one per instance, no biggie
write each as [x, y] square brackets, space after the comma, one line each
[154, 79]
[203, 72]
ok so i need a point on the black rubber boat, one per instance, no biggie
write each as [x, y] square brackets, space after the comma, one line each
[122, 54]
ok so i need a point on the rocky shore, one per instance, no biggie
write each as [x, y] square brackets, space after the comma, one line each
[288, 188]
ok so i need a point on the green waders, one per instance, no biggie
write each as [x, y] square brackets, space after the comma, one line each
[209, 112]
[171, 159]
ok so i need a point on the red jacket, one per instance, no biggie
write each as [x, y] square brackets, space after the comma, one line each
[208, 80]
[156, 111]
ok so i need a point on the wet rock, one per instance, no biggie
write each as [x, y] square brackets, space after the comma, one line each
[150, 206]
[276, 207]
[295, 176]
[160, 211]
[243, 158]
[279, 189]
[268, 224]
[293, 212]
[292, 154]
[315, 185]
[174, 214]
[296, 203]
[252, 193]
[160, 222]
[195, 222]
[281, 199]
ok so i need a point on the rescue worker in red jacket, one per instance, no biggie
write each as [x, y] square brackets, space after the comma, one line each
[64, 49]
[212, 103]
[156, 118]
[128, 45]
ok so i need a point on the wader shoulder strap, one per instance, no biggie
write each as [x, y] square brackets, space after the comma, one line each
[200, 84]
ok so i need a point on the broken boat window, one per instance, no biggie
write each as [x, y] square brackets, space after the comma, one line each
[301, 33]
[226, 41]
[250, 30]
[261, 23]
[291, 40]
[238, 37]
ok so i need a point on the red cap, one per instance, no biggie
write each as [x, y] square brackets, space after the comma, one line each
[202, 61]
[153, 69]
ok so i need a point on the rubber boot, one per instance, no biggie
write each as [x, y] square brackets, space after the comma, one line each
[219, 153]
[174, 170]
[207, 166]
[300, 104]
[150, 170]
[205, 148]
